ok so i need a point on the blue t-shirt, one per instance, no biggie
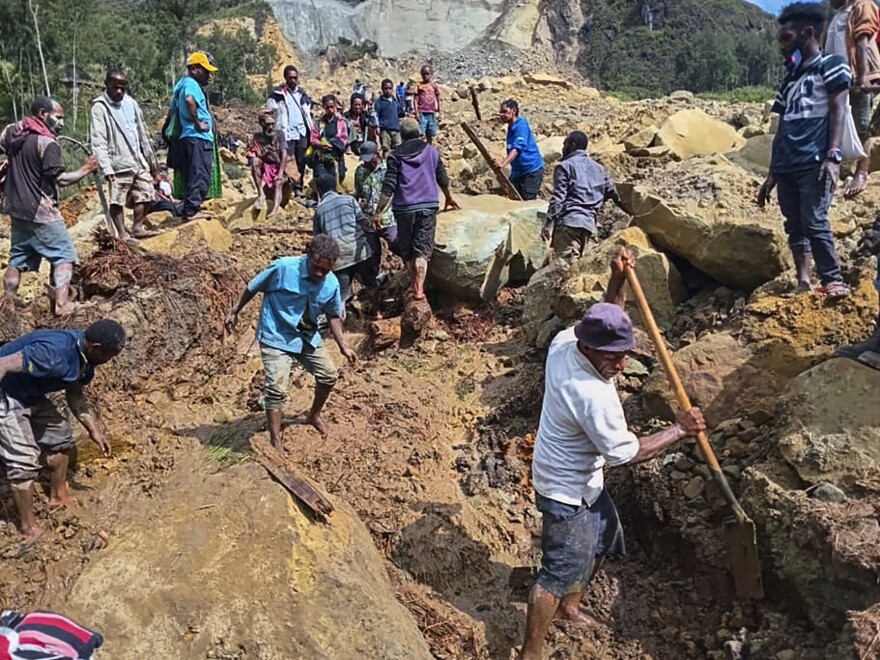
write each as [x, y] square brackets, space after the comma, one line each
[52, 361]
[388, 112]
[801, 140]
[292, 304]
[188, 86]
[521, 138]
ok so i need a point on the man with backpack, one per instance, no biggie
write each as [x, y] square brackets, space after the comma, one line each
[121, 143]
[190, 129]
[292, 108]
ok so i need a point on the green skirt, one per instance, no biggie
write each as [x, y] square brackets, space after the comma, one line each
[215, 190]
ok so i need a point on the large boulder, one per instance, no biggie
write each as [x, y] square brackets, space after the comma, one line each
[489, 242]
[234, 565]
[727, 378]
[694, 133]
[700, 210]
[754, 156]
[831, 425]
[547, 80]
[559, 294]
[551, 150]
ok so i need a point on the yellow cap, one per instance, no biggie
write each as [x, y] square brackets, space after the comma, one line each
[201, 58]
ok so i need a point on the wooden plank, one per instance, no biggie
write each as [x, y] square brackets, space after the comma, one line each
[475, 102]
[297, 485]
[506, 185]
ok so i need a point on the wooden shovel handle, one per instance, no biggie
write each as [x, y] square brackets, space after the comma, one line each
[683, 401]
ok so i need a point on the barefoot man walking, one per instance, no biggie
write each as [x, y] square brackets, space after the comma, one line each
[296, 292]
[31, 427]
[582, 429]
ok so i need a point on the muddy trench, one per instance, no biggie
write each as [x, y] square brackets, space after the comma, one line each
[429, 450]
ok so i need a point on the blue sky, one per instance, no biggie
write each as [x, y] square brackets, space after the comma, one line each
[771, 6]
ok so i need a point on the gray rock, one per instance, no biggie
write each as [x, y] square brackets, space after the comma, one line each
[828, 493]
[694, 488]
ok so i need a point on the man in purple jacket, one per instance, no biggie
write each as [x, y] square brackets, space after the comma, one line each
[414, 171]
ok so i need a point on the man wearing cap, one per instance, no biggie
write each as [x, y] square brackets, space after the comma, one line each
[582, 429]
[195, 146]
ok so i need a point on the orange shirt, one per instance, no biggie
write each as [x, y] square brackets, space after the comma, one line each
[863, 21]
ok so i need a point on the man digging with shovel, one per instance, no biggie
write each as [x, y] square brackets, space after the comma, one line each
[583, 429]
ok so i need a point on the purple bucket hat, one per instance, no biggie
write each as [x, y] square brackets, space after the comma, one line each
[606, 327]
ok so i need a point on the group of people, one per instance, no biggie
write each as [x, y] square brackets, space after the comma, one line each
[582, 428]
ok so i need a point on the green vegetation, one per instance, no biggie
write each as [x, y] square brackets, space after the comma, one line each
[697, 45]
[147, 38]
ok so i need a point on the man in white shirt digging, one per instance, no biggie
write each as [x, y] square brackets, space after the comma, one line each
[582, 429]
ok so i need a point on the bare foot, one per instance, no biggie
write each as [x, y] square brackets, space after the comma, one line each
[65, 501]
[857, 185]
[579, 618]
[32, 533]
[318, 422]
[279, 447]
[260, 203]
[71, 308]
[143, 232]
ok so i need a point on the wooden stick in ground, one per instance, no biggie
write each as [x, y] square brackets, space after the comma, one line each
[475, 102]
[294, 483]
[506, 185]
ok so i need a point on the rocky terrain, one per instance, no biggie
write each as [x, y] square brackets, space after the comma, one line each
[183, 546]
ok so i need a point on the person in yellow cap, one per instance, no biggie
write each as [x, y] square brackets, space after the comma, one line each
[191, 133]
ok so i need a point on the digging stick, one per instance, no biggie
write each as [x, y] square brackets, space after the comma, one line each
[506, 185]
[475, 102]
[741, 544]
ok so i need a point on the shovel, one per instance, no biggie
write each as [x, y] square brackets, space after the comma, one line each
[742, 549]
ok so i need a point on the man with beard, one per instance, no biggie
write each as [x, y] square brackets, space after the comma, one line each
[268, 154]
[34, 173]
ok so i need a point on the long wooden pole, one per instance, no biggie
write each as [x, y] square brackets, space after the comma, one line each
[506, 185]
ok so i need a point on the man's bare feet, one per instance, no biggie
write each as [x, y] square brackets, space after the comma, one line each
[857, 185]
[578, 617]
[143, 232]
[279, 446]
[260, 203]
[71, 308]
[65, 501]
[318, 422]
[32, 532]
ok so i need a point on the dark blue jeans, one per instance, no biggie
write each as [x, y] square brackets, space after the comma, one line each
[199, 164]
[804, 201]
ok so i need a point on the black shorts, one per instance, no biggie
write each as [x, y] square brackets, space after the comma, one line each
[362, 270]
[529, 186]
[573, 539]
[415, 233]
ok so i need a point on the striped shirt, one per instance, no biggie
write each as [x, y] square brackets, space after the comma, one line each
[341, 217]
[801, 141]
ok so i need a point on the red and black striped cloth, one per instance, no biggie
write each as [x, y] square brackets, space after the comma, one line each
[45, 636]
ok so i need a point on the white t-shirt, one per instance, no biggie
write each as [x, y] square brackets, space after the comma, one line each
[582, 427]
[835, 37]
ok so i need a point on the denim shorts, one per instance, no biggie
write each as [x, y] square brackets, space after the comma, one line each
[574, 539]
[428, 124]
[31, 242]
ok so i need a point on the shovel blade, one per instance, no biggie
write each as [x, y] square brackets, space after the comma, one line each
[742, 552]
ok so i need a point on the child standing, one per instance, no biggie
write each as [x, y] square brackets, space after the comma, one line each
[428, 105]
[388, 114]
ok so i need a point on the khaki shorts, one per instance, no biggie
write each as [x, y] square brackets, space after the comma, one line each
[277, 365]
[390, 139]
[130, 188]
[27, 432]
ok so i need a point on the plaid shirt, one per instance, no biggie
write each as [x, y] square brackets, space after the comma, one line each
[368, 190]
[341, 217]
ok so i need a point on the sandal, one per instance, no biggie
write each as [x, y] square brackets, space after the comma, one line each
[836, 291]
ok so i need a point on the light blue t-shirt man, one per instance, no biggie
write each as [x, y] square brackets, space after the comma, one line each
[189, 86]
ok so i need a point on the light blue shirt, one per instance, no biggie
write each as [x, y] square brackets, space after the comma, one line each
[292, 304]
[188, 86]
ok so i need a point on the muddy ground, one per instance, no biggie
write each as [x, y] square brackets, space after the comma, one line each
[428, 445]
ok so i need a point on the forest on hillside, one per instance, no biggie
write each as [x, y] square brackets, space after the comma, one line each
[63, 47]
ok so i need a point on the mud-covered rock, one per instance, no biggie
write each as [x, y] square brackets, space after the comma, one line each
[832, 430]
[560, 293]
[692, 132]
[181, 240]
[233, 557]
[479, 248]
[696, 210]
[725, 377]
